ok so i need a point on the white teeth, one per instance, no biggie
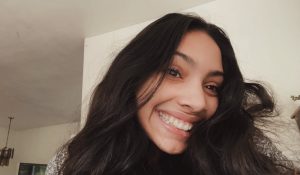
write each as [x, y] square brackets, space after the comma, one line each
[175, 122]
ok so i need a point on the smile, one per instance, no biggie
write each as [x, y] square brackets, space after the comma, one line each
[175, 122]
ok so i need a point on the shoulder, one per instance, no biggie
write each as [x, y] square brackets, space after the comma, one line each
[56, 162]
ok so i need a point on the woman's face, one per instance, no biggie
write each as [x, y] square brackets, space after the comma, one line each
[188, 93]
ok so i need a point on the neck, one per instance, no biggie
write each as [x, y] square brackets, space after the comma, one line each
[164, 163]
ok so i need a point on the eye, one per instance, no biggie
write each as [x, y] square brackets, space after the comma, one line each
[174, 72]
[213, 89]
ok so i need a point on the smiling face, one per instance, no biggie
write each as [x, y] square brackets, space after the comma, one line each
[187, 94]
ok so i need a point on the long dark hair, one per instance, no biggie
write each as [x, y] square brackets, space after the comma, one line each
[113, 142]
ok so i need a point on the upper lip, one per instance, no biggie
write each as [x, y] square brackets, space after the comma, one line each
[182, 116]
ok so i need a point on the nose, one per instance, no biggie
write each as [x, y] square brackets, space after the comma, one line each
[192, 98]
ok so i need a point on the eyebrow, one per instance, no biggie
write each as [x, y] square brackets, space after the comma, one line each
[185, 57]
[192, 62]
[215, 74]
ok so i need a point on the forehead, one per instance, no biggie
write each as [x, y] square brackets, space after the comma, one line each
[200, 50]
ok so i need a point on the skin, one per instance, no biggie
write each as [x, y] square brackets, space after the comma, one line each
[188, 92]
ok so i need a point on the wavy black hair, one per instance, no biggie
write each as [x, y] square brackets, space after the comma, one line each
[112, 141]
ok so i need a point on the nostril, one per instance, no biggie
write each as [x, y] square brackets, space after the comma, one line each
[184, 105]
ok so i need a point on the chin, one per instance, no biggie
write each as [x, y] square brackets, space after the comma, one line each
[175, 152]
[172, 149]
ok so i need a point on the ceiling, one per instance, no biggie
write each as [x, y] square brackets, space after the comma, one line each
[41, 52]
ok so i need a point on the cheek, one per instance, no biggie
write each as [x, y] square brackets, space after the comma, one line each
[213, 106]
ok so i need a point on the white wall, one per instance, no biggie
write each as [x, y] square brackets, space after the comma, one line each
[3, 133]
[266, 38]
[37, 145]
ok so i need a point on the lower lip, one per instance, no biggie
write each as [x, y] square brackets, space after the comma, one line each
[173, 129]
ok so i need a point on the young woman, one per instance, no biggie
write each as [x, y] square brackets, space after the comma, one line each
[174, 102]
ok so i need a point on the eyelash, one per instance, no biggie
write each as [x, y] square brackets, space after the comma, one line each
[213, 89]
[174, 72]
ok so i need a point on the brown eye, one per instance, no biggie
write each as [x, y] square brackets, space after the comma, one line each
[212, 89]
[174, 72]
